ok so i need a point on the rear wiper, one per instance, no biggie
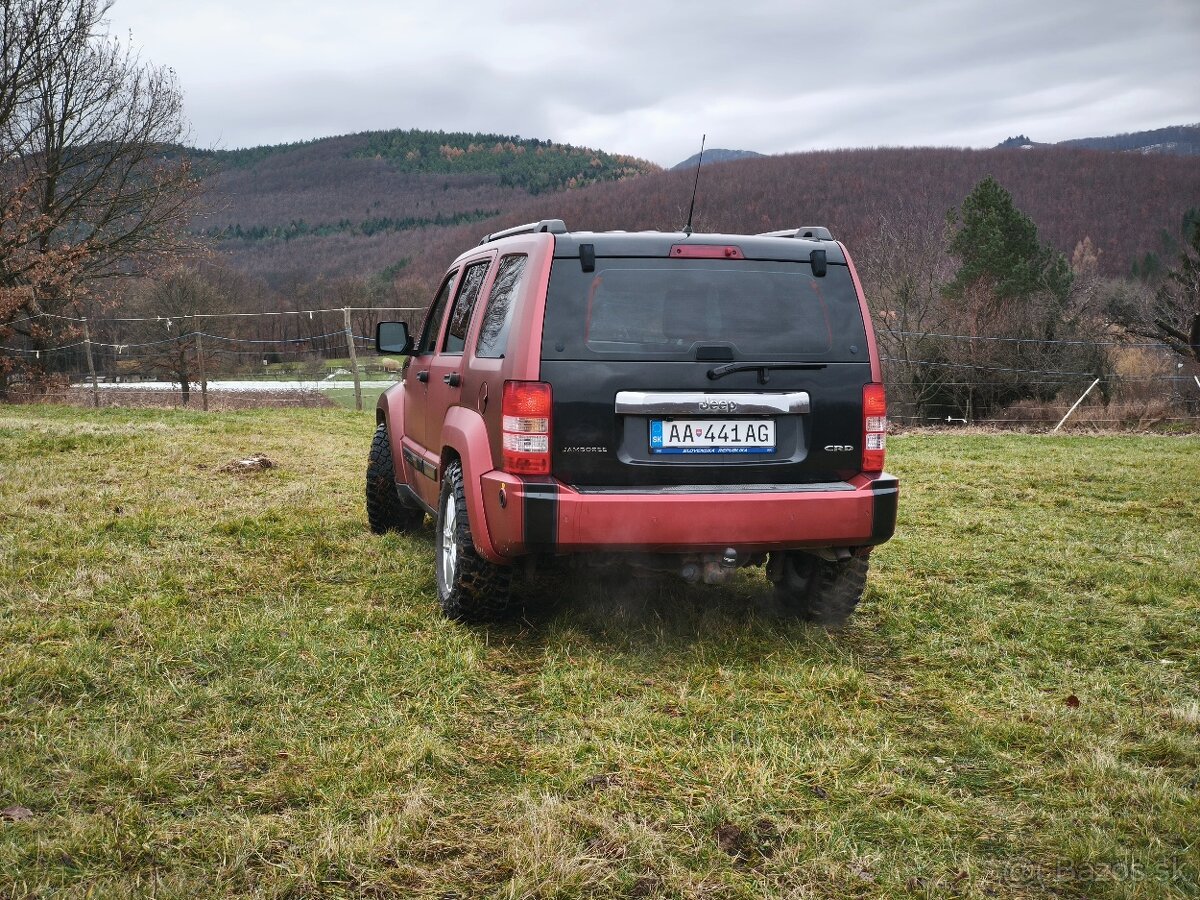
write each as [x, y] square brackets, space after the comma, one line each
[761, 368]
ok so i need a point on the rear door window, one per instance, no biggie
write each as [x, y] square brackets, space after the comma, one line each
[464, 304]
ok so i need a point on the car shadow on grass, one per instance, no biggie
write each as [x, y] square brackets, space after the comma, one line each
[627, 610]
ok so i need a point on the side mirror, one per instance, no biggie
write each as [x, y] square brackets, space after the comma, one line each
[393, 337]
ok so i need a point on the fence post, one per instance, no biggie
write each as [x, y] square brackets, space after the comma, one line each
[1072, 409]
[203, 377]
[353, 359]
[87, 343]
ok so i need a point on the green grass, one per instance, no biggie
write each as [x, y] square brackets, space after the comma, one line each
[224, 686]
[344, 398]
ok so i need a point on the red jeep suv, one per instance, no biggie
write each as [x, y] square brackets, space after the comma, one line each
[693, 403]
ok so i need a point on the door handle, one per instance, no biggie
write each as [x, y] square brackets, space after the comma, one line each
[453, 379]
[423, 376]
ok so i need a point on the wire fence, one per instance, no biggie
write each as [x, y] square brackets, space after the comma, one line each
[940, 379]
[296, 357]
[285, 357]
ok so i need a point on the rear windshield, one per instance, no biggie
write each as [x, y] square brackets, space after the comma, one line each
[666, 308]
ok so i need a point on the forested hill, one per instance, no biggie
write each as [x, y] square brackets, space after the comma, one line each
[527, 163]
[346, 205]
[375, 205]
[1125, 203]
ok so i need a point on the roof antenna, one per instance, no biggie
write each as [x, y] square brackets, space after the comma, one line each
[687, 229]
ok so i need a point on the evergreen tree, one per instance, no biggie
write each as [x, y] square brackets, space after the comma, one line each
[998, 249]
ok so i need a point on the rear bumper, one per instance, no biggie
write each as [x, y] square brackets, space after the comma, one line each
[528, 516]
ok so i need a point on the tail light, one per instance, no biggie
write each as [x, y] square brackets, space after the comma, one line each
[874, 427]
[526, 427]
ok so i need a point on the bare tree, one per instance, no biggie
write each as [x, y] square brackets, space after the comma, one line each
[93, 180]
[1172, 313]
[904, 267]
[29, 33]
[179, 300]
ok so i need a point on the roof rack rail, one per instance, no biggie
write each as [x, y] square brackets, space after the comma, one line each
[810, 232]
[553, 226]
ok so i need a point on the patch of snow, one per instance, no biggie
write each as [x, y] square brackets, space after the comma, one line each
[235, 385]
[1168, 147]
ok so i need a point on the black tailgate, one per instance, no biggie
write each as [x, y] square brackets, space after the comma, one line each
[765, 358]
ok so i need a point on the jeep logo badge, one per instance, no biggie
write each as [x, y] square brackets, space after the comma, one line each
[717, 406]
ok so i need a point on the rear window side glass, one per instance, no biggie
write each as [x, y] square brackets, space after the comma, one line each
[433, 322]
[464, 304]
[497, 315]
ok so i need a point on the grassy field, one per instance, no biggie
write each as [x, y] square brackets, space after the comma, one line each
[221, 685]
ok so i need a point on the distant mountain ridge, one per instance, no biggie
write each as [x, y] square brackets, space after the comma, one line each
[1174, 140]
[717, 156]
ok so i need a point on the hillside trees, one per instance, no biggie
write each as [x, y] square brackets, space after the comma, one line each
[534, 165]
[1121, 200]
[92, 182]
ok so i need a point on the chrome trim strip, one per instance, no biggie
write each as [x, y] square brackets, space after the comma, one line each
[688, 403]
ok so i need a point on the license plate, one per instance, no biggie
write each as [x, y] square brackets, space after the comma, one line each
[712, 436]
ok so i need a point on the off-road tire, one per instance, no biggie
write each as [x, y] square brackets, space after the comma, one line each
[470, 589]
[385, 510]
[820, 591]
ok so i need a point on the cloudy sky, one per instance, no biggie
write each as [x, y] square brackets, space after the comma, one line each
[648, 77]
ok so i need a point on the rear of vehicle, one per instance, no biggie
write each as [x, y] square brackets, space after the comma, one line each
[701, 404]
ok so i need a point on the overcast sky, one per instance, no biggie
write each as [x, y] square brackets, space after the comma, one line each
[647, 77]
